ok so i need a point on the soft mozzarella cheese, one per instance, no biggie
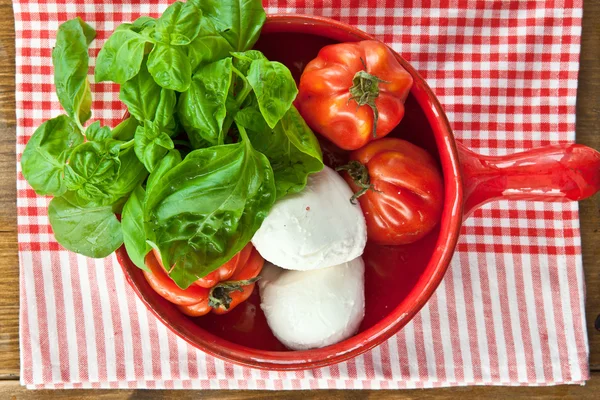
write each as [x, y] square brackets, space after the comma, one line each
[312, 309]
[315, 228]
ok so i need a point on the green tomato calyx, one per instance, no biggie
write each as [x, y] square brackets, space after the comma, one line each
[360, 175]
[364, 91]
[219, 294]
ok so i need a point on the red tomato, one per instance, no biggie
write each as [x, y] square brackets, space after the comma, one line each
[251, 270]
[400, 190]
[353, 93]
[164, 285]
[219, 292]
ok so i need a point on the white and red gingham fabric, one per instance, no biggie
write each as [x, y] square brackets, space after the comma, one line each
[510, 310]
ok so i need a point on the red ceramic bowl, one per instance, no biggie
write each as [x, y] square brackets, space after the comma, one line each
[399, 279]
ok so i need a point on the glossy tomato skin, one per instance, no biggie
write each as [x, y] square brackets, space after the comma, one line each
[253, 264]
[164, 285]
[198, 309]
[194, 301]
[252, 268]
[324, 98]
[405, 202]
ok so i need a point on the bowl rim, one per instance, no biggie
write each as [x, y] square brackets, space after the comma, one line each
[430, 279]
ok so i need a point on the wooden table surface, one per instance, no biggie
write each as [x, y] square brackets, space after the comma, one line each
[588, 119]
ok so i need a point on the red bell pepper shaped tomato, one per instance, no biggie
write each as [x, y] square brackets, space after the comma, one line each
[352, 93]
[400, 190]
[219, 292]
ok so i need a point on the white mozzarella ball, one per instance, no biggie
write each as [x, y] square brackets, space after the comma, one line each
[315, 228]
[312, 309]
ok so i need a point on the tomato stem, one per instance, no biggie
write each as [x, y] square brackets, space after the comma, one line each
[360, 175]
[364, 90]
[219, 295]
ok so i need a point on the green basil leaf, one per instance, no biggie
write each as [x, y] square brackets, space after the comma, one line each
[141, 95]
[167, 163]
[88, 31]
[202, 109]
[125, 130]
[45, 156]
[250, 116]
[179, 24]
[92, 168]
[300, 135]
[151, 144]
[239, 22]
[164, 117]
[120, 58]
[232, 106]
[146, 27]
[243, 59]
[143, 22]
[93, 231]
[95, 132]
[292, 149]
[134, 233]
[274, 87]
[146, 100]
[170, 67]
[208, 207]
[131, 174]
[70, 59]
[164, 140]
[209, 45]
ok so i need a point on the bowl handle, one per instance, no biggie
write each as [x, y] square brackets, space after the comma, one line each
[553, 173]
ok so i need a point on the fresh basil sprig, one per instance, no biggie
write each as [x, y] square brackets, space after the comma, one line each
[90, 180]
[291, 147]
[134, 233]
[70, 59]
[239, 21]
[212, 139]
[179, 24]
[207, 208]
[91, 230]
[274, 88]
[202, 108]
[45, 156]
[121, 56]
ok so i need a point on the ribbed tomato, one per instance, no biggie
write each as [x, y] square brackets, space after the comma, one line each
[400, 190]
[353, 93]
[219, 292]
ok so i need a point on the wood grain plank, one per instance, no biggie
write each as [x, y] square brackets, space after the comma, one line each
[9, 265]
[588, 117]
[12, 390]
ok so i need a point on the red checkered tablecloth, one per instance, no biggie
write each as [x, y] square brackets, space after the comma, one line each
[510, 310]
